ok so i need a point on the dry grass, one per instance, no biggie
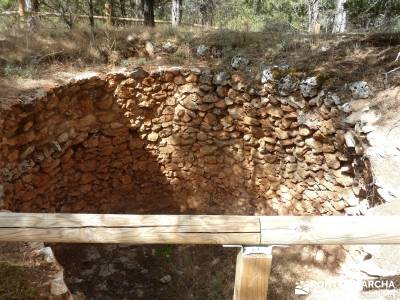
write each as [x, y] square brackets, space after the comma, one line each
[341, 59]
[18, 45]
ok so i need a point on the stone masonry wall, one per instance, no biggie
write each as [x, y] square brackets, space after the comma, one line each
[177, 140]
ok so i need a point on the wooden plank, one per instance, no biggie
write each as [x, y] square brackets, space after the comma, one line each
[200, 229]
[186, 223]
[135, 229]
[251, 278]
[330, 230]
[125, 236]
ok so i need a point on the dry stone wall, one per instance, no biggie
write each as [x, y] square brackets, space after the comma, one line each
[177, 140]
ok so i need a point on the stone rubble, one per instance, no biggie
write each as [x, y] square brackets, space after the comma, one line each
[202, 50]
[360, 90]
[239, 62]
[309, 87]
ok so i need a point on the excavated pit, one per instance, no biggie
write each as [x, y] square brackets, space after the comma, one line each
[178, 141]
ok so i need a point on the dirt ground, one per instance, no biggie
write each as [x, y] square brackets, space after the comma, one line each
[184, 272]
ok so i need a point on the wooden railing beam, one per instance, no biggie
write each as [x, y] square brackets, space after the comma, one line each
[199, 229]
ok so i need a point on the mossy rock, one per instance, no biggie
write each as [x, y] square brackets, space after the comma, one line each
[321, 77]
[279, 73]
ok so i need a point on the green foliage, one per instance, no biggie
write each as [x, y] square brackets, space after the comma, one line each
[141, 61]
[124, 63]
[321, 77]
[7, 4]
[237, 15]
[367, 13]
[164, 251]
[24, 71]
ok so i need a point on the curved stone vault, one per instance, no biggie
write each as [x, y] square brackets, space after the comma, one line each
[177, 140]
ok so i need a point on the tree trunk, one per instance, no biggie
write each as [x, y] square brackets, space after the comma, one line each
[26, 9]
[339, 24]
[35, 5]
[90, 13]
[21, 8]
[176, 12]
[148, 12]
[139, 8]
[313, 12]
[31, 21]
[122, 7]
[108, 13]
[206, 12]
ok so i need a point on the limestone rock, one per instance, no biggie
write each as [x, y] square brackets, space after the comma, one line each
[180, 80]
[149, 48]
[239, 62]
[314, 144]
[166, 279]
[202, 50]
[169, 47]
[310, 119]
[105, 102]
[138, 73]
[221, 78]
[360, 90]
[332, 161]
[304, 131]
[190, 102]
[350, 198]
[152, 137]
[57, 284]
[350, 139]
[48, 254]
[210, 119]
[309, 87]
[332, 99]
[274, 111]
[294, 102]
[287, 85]
[281, 134]
[235, 112]
[267, 76]
[87, 121]
[250, 121]
[327, 127]
[202, 136]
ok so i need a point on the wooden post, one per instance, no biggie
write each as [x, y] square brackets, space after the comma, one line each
[252, 275]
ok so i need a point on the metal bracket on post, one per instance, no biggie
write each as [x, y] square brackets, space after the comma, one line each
[248, 250]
